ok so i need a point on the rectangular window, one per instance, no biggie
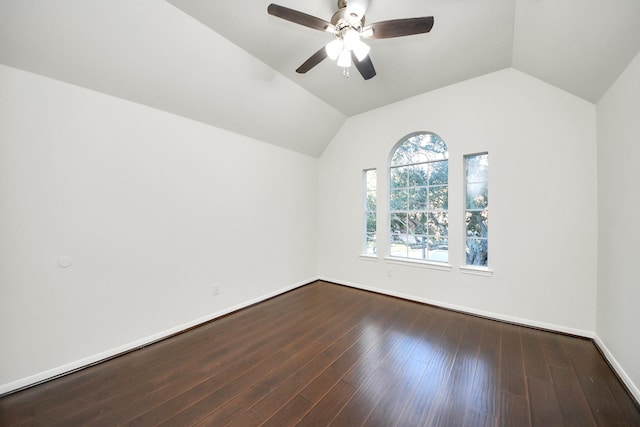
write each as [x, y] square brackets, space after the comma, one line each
[370, 177]
[477, 209]
[419, 203]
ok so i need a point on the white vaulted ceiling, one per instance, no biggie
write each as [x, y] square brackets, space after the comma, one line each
[231, 65]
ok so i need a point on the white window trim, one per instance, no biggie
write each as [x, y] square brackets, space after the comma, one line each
[471, 269]
[432, 265]
[476, 271]
[365, 191]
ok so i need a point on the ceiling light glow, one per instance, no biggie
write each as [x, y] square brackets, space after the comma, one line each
[344, 60]
[334, 48]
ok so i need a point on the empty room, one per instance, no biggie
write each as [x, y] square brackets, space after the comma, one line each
[327, 212]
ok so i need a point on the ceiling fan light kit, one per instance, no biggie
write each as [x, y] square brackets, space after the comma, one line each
[347, 25]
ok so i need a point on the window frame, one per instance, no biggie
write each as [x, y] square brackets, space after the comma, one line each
[481, 270]
[420, 262]
[366, 190]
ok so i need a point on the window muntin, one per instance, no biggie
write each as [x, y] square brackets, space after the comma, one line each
[370, 177]
[477, 210]
[419, 199]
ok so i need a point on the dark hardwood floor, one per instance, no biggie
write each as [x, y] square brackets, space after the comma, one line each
[325, 354]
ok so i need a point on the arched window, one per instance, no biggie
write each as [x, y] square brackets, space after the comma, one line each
[419, 198]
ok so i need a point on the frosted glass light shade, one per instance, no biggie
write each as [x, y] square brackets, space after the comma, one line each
[361, 50]
[334, 48]
[351, 39]
[344, 59]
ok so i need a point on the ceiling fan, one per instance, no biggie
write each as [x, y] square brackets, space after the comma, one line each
[348, 27]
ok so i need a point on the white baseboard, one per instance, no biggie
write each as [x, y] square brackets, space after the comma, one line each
[143, 342]
[488, 314]
[633, 389]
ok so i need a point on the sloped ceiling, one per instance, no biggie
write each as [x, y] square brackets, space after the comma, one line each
[231, 65]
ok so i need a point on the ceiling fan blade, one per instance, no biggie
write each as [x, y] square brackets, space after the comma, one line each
[313, 60]
[401, 27]
[365, 66]
[298, 17]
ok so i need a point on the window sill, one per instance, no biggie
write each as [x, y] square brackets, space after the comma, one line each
[368, 257]
[476, 271]
[441, 266]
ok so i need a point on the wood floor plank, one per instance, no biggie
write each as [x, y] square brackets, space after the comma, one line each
[553, 351]
[290, 414]
[573, 404]
[591, 371]
[246, 419]
[545, 410]
[243, 401]
[329, 406]
[475, 418]
[474, 329]
[535, 363]
[399, 344]
[334, 372]
[206, 395]
[485, 391]
[454, 399]
[420, 406]
[301, 378]
[367, 397]
[514, 411]
[512, 366]
[390, 406]
[327, 354]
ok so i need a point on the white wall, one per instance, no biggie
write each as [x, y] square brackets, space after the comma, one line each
[152, 208]
[543, 199]
[618, 232]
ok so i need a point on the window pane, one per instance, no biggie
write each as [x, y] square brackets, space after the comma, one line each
[398, 246]
[417, 222]
[399, 200]
[418, 247]
[417, 198]
[372, 177]
[420, 148]
[418, 175]
[370, 246]
[439, 173]
[370, 210]
[439, 197]
[477, 213]
[371, 201]
[398, 177]
[477, 252]
[398, 223]
[439, 250]
[477, 224]
[371, 222]
[477, 195]
[438, 224]
[477, 168]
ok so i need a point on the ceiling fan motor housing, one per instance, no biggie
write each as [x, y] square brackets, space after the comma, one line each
[342, 19]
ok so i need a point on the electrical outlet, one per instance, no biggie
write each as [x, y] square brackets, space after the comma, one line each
[215, 290]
